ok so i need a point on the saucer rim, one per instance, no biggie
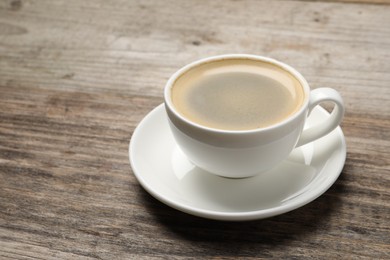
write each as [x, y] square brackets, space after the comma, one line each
[242, 215]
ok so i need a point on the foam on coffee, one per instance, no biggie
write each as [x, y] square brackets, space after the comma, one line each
[237, 94]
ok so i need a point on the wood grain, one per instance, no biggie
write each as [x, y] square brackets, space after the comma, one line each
[380, 2]
[76, 77]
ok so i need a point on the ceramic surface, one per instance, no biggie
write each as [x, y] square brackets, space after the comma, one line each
[246, 153]
[164, 171]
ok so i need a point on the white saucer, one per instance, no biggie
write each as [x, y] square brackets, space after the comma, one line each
[163, 170]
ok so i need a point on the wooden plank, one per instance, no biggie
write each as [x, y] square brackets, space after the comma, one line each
[380, 2]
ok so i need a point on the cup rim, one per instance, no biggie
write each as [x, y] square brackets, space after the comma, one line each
[305, 86]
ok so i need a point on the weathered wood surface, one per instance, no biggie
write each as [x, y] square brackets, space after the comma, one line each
[76, 77]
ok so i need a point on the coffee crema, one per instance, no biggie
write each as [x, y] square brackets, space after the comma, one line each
[237, 94]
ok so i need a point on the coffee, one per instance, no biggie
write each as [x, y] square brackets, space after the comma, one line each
[237, 94]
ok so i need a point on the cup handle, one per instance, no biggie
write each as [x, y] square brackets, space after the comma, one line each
[316, 97]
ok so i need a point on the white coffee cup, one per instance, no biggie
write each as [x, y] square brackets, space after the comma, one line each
[245, 153]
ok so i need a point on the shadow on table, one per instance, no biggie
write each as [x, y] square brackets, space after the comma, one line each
[239, 238]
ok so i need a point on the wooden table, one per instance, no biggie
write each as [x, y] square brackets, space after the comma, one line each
[76, 77]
